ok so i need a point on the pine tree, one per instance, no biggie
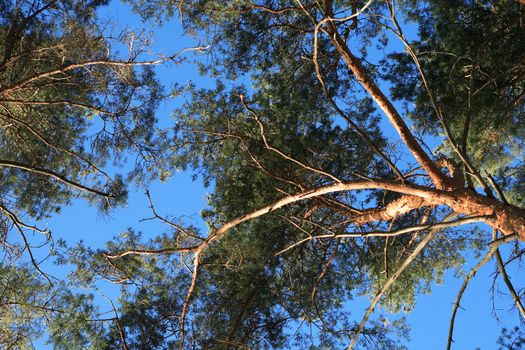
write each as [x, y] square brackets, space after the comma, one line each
[314, 202]
[68, 106]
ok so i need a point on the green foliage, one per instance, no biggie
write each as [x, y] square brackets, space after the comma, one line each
[32, 308]
[472, 53]
[66, 109]
[69, 107]
[22, 297]
[253, 143]
[511, 339]
[284, 117]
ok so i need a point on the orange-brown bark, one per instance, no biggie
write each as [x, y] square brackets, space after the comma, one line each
[438, 178]
[399, 207]
[506, 218]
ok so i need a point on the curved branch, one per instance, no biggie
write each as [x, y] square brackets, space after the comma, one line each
[104, 62]
[166, 251]
[507, 217]
[439, 226]
[51, 144]
[14, 219]
[506, 279]
[461, 202]
[189, 294]
[316, 192]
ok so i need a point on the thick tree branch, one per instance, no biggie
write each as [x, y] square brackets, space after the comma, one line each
[339, 111]
[460, 201]
[461, 152]
[151, 252]
[507, 218]
[354, 64]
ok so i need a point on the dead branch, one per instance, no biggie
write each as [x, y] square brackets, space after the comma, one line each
[506, 279]
[471, 274]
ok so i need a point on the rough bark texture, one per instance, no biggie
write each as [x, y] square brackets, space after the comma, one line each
[508, 218]
[399, 207]
[450, 191]
[438, 178]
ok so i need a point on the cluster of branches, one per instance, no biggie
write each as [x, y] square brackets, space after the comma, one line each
[311, 202]
[456, 183]
[68, 105]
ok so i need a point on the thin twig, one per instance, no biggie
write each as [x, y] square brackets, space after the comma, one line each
[117, 321]
[503, 239]
[168, 222]
[278, 151]
[391, 281]
[471, 274]
[439, 226]
[506, 279]
[108, 62]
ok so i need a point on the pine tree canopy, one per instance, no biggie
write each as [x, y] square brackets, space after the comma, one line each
[352, 150]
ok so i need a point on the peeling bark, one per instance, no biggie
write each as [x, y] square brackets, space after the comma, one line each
[399, 207]
[506, 218]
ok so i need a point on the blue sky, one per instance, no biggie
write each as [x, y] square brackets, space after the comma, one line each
[181, 196]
